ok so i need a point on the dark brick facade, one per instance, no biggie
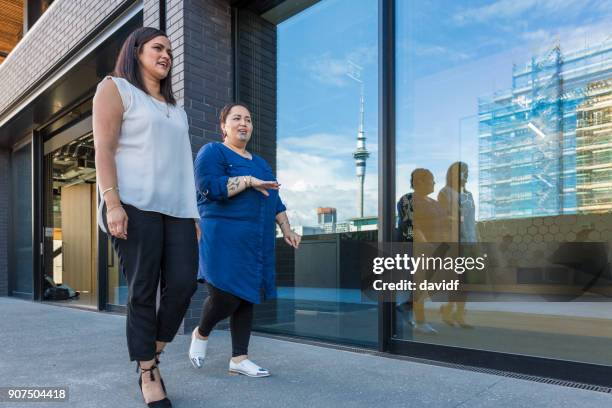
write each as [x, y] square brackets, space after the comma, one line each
[4, 218]
[256, 63]
[201, 32]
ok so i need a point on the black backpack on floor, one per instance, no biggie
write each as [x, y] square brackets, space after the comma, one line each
[54, 291]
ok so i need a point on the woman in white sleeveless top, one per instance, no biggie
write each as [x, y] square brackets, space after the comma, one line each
[145, 177]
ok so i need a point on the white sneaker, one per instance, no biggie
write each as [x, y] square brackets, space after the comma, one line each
[197, 350]
[424, 328]
[247, 367]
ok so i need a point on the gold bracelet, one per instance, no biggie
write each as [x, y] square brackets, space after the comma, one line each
[112, 208]
[109, 189]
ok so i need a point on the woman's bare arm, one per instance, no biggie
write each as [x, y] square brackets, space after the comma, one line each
[107, 119]
[236, 185]
[291, 237]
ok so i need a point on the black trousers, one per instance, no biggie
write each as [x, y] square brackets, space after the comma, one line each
[218, 306]
[160, 250]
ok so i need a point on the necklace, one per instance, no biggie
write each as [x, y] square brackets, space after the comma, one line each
[167, 112]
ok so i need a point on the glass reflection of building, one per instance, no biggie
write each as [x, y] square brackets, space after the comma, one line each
[327, 224]
[531, 138]
[327, 219]
[594, 149]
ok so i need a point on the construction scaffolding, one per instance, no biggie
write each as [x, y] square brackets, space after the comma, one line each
[527, 134]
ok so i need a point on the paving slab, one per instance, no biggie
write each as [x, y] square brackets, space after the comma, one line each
[48, 345]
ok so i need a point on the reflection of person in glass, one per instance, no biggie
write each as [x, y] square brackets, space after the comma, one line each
[421, 220]
[458, 204]
[238, 202]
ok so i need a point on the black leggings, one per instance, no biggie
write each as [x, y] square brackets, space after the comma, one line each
[218, 306]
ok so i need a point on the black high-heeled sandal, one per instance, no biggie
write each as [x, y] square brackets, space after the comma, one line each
[164, 403]
[157, 354]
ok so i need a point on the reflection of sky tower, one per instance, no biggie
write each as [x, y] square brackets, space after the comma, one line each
[361, 154]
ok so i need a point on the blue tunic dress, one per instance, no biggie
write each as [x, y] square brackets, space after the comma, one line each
[238, 233]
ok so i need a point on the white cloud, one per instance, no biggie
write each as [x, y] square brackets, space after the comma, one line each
[570, 37]
[432, 50]
[319, 143]
[328, 144]
[331, 70]
[510, 9]
[309, 181]
[536, 36]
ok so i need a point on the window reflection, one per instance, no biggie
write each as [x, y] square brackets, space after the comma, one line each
[326, 144]
[513, 124]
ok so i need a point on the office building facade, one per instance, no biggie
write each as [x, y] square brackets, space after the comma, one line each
[525, 171]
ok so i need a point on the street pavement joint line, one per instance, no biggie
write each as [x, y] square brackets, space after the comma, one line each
[479, 393]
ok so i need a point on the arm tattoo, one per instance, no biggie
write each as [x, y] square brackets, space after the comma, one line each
[233, 184]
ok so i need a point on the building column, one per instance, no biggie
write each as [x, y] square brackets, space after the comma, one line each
[200, 32]
[5, 195]
[256, 43]
[151, 14]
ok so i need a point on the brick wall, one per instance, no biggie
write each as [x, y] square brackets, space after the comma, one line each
[4, 205]
[200, 32]
[58, 31]
[151, 13]
[257, 79]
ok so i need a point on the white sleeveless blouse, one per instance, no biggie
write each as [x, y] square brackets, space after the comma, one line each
[153, 158]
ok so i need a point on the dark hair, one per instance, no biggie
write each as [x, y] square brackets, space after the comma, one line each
[419, 174]
[226, 110]
[128, 65]
[453, 174]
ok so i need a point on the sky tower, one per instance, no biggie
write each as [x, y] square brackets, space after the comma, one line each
[361, 154]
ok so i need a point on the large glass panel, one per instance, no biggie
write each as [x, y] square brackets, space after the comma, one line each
[505, 109]
[326, 146]
[117, 283]
[21, 245]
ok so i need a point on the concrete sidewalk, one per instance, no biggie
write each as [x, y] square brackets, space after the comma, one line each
[45, 345]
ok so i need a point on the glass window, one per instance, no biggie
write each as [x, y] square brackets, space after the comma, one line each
[504, 142]
[117, 283]
[326, 148]
[21, 235]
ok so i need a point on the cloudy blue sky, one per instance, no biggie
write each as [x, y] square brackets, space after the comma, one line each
[450, 53]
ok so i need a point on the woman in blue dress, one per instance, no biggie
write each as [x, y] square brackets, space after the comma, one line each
[238, 202]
